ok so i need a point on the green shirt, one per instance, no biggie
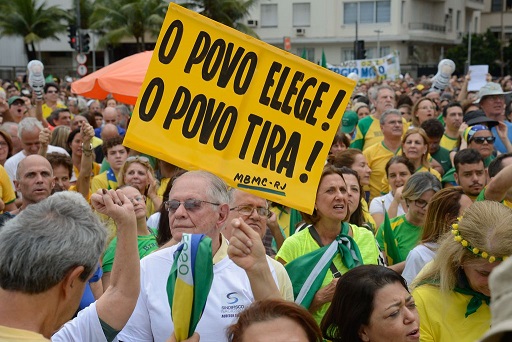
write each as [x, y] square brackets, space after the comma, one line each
[146, 245]
[442, 156]
[405, 233]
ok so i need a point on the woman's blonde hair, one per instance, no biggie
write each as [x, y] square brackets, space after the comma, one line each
[486, 226]
[421, 132]
[60, 137]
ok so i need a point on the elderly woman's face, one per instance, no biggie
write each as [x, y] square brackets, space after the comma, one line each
[331, 198]
[478, 273]
[394, 316]
[137, 176]
[414, 147]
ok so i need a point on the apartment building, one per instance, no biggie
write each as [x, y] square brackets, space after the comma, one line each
[420, 30]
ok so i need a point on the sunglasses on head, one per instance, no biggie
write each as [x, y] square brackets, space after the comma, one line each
[137, 159]
[481, 140]
[189, 205]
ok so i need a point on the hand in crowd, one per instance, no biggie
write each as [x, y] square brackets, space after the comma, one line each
[4, 107]
[502, 130]
[114, 204]
[462, 129]
[45, 136]
[272, 222]
[324, 295]
[153, 185]
[245, 246]
[87, 132]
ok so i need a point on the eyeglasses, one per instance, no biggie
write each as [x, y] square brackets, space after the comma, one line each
[189, 205]
[481, 140]
[393, 123]
[3, 144]
[137, 159]
[18, 103]
[247, 210]
[138, 199]
[420, 203]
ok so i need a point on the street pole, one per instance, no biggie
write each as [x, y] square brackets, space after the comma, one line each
[378, 41]
[469, 45]
[356, 52]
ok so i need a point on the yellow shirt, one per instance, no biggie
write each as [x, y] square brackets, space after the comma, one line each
[15, 335]
[448, 143]
[47, 111]
[442, 316]
[377, 156]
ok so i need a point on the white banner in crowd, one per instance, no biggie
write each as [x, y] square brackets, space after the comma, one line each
[387, 67]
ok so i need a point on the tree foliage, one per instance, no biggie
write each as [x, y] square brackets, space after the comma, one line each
[485, 49]
[118, 19]
[227, 12]
[33, 20]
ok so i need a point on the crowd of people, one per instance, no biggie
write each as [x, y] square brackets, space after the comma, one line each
[410, 220]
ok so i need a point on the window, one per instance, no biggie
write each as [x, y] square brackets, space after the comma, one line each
[457, 21]
[307, 53]
[496, 5]
[301, 14]
[268, 15]
[367, 12]
[383, 11]
[347, 55]
[402, 11]
[349, 12]
[384, 51]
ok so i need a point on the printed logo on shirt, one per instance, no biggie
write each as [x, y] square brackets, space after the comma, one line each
[231, 309]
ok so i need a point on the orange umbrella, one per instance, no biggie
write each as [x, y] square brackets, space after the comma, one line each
[123, 79]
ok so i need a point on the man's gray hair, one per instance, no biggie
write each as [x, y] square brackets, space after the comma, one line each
[123, 109]
[46, 240]
[29, 124]
[217, 191]
[375, 93]
[387, 113]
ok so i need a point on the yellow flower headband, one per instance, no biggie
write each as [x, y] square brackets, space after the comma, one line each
[474, 250]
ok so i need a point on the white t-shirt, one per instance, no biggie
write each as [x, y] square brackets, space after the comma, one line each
[376, 205]
[85, 327]
[417, 258]
[151, 320]
[153, 220]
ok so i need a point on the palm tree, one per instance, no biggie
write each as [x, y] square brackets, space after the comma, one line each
[32, 20]
[227, 12]
[118, 19]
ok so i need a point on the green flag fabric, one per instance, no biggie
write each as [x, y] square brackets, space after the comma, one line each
[390, 243]
[308, 271]
[189, 283]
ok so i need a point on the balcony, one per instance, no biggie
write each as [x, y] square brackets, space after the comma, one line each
[476, 5]
[427, 27]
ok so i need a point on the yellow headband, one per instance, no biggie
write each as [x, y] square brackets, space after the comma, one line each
[474, 250]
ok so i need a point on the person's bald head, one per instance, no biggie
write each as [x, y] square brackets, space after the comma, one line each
[34, 179]
[110, 115]
[109, 131]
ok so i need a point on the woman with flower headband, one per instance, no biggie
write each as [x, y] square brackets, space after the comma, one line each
[138, 173]
[452, 293]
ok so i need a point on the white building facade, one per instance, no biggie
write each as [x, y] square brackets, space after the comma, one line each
[420, 30]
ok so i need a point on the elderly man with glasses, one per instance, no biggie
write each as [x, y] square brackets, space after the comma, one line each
[199, 204]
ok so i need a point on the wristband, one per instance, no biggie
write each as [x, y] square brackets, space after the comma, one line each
[87, 149]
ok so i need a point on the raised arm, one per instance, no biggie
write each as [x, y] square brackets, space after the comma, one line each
[118, 302]
[83, 183]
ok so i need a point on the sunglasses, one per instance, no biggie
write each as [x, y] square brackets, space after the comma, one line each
[189, 205]
[137, 159]
[481, 140]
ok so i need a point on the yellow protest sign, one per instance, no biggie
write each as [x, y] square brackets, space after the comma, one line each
[257, 116]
